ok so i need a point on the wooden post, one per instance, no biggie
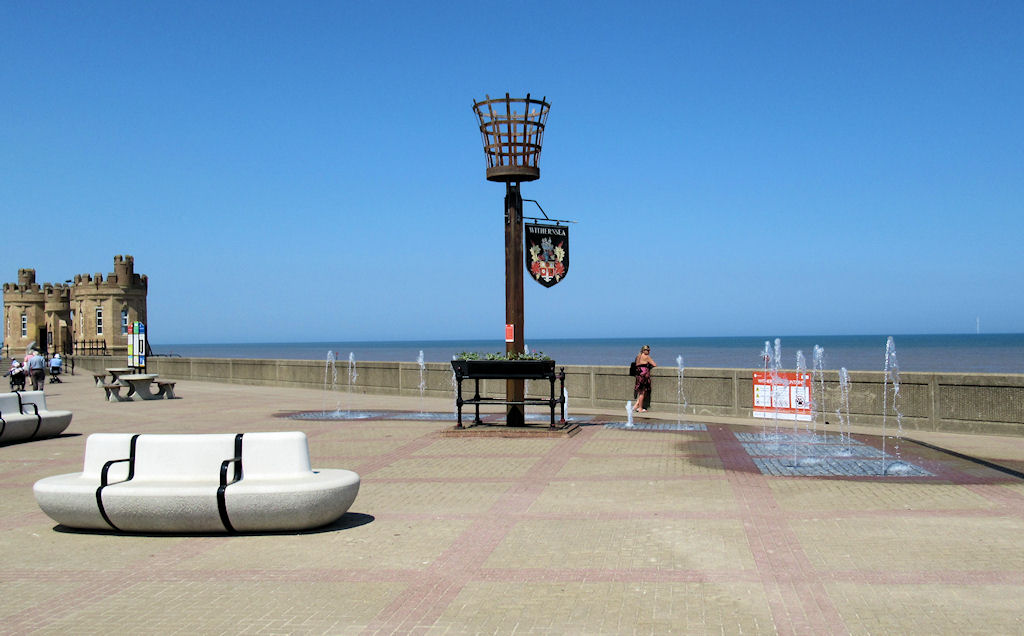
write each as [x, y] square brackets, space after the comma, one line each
[514, 314]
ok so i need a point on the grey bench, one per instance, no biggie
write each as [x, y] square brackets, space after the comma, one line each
[166, 389]
[113, 393]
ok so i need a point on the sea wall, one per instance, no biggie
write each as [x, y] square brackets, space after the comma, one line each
[953, 402]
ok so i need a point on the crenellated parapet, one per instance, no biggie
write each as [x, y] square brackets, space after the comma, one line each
[25, 288]
[124, 273]
[56, 298]
[27, 278]
[122, 279]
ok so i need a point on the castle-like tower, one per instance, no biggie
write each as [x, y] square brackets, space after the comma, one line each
[91, 315]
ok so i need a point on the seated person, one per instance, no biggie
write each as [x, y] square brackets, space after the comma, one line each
[55, 366]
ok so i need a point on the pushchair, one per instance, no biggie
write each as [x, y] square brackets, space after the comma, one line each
[17, 379]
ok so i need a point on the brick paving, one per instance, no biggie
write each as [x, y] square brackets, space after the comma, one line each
[609, 531]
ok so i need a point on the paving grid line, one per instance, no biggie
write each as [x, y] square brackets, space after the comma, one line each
[424, 600]
[777, 551]
[657, 426]
[30, 466]
[116, 581]
[785, 592]
[93, 590]
[505, 575]
[1010, 503]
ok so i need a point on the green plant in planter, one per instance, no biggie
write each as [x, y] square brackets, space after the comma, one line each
[473, 355]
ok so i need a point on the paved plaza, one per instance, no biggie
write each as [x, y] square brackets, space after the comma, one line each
[652, 530]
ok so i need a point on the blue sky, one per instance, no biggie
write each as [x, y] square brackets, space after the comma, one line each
[313, 171]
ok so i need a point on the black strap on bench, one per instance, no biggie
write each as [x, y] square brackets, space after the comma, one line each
[35, 409]
[104, 483]
[222, 502]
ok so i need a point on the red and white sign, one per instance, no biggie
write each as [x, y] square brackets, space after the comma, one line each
[510, 333]
[786, 396]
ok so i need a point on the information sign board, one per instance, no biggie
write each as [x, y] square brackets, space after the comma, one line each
[137, 345]
[782, 395]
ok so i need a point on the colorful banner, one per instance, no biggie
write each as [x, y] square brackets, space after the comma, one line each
[786, 396]
[547, 252]
[137, 345]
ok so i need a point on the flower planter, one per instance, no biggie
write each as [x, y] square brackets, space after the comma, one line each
[504, 369]
[477, 370]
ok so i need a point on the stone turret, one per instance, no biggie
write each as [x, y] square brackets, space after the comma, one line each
[24, 313]
[27, 278]
[124, 273]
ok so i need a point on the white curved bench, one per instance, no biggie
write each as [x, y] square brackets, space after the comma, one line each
[23, 415]
[248, 482]
[54, 422]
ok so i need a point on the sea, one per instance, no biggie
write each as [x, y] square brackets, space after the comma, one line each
[956, 353]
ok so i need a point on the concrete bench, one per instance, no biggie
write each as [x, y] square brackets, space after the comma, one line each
[166, 389]
[99, 378]
[23, 415]
[250, 482]
[113, 392]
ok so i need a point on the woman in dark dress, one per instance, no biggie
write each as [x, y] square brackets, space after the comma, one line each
[642, 388]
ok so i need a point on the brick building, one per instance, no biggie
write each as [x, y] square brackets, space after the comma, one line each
[86, 315]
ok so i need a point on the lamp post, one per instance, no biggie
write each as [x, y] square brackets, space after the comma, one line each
[512, 130]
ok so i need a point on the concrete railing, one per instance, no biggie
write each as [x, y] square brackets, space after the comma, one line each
[954, 402]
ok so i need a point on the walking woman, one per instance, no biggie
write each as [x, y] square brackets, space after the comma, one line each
[642, 388]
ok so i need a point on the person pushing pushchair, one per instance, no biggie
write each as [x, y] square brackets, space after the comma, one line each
[17, 375]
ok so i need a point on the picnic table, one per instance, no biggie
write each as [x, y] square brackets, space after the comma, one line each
[117, 372]
[138, 384]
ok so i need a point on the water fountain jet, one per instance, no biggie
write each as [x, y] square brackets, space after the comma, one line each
[818, 404]
[891, 377]
[844, 405]
[330, 371]
[423, 382]
[680, 395]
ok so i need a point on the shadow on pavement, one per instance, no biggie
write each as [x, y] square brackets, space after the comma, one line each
[347, 521]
